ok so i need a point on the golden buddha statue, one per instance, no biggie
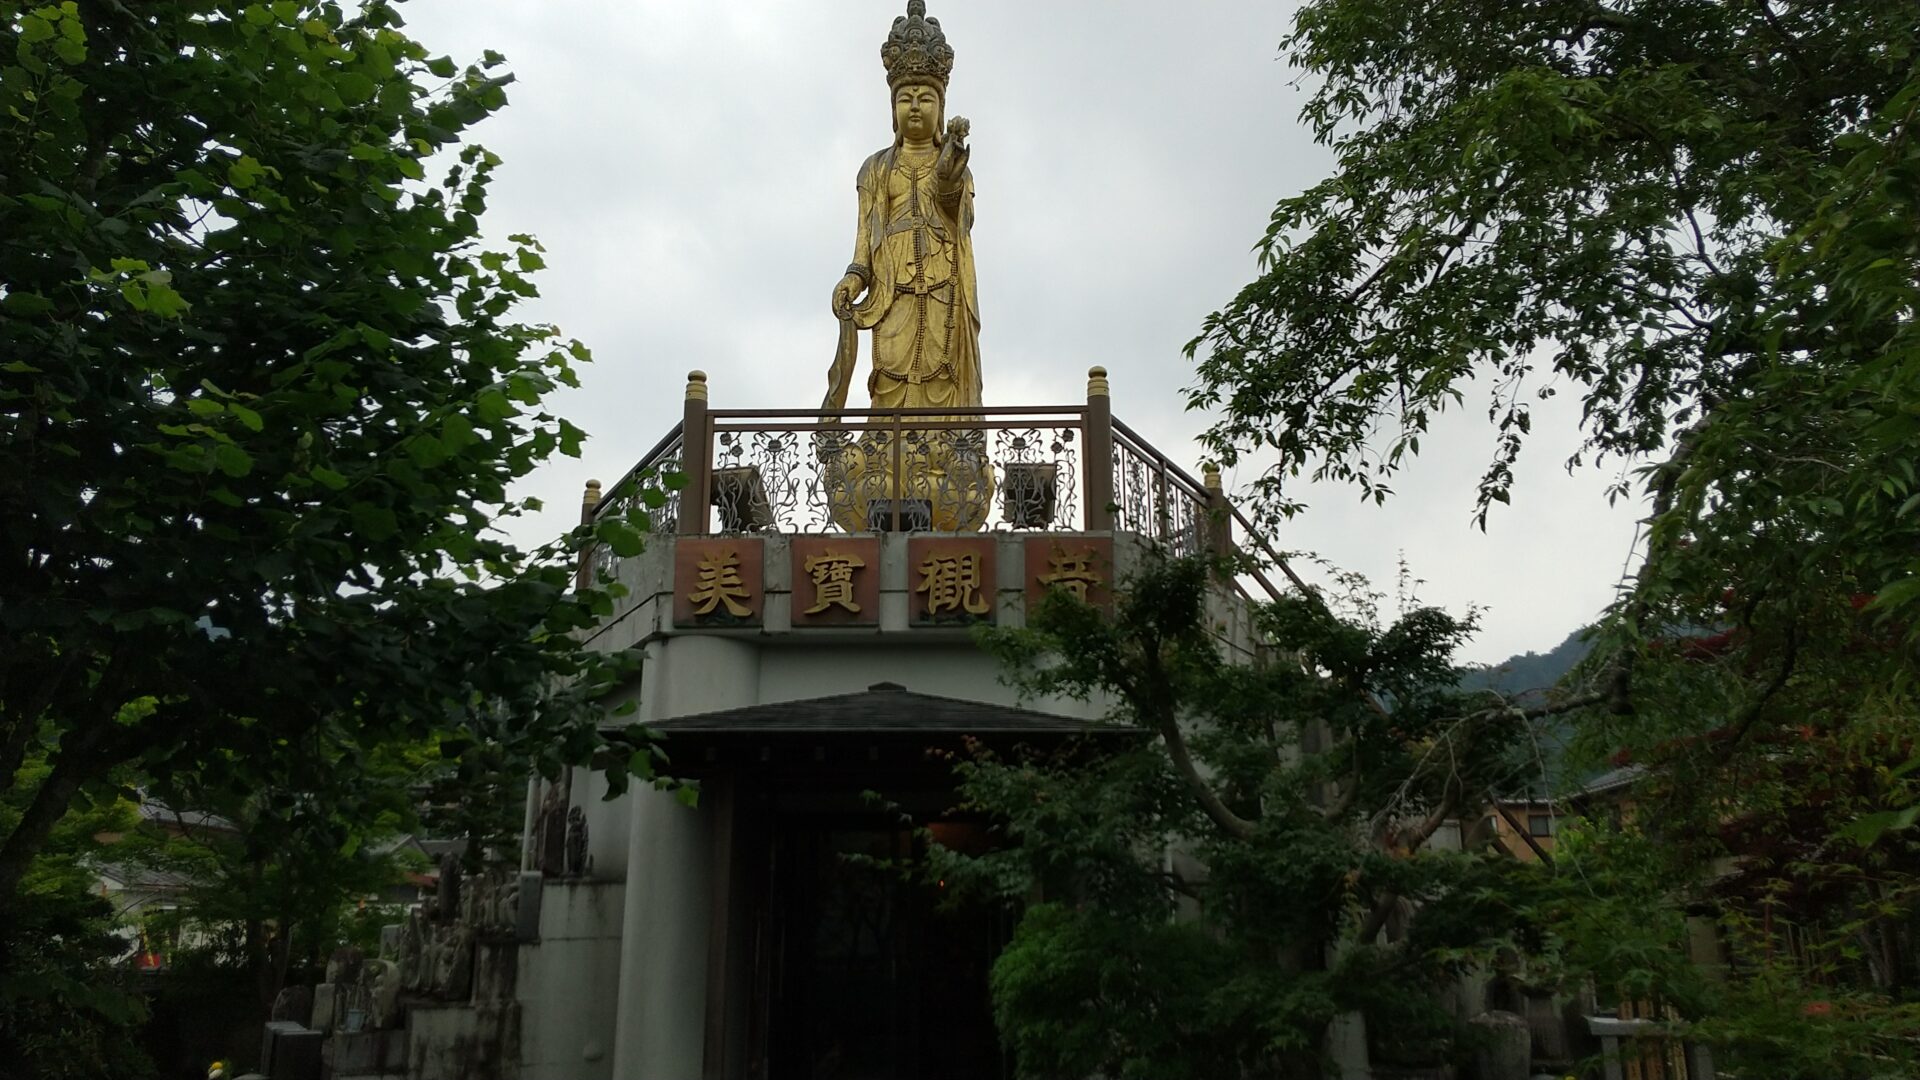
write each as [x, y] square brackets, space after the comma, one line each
[911, 279]
[911, 282]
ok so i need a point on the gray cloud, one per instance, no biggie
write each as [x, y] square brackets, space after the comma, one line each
[690, 169]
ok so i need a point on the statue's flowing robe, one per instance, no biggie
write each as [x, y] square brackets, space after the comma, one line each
[916, 241]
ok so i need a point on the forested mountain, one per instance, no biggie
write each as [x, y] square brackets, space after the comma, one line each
[1530, 674]
[1529, 670]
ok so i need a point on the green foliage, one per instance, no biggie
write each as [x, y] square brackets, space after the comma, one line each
[1615, 925]
[1698, 216]
[68, 1008]
[1783, 1026]
[1793, 995]
[1256, 863]
[272, 889]
[1063, 961]
[1704, 220]
[261, 400]
[1767, 812]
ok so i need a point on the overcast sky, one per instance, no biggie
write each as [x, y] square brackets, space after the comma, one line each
[689, 167]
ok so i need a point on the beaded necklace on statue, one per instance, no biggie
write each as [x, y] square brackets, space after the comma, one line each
[917, 214]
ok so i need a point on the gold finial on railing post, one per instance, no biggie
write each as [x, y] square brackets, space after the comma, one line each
[589, 501]
[1219, 513]
[697, 457]
[1098, 459]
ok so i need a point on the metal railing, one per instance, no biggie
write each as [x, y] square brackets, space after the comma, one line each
[942, 470]
[630, 493]
[1024, 468]
[1154, 497]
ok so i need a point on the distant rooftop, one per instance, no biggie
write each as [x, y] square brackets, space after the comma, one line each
[162, 814]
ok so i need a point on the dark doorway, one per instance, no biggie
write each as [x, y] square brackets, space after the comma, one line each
[870, 975]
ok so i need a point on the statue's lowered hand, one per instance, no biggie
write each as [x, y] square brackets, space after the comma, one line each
[844, 295]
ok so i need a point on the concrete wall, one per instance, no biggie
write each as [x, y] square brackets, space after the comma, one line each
[569, 982]
[461, 1041]
[607, 822]
[660, 1025]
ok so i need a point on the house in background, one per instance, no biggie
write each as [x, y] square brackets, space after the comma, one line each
[1524, 827]
[140, 894]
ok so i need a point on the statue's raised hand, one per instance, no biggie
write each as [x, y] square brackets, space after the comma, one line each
[953, 150]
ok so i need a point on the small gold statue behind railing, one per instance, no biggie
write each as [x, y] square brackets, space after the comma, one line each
[906, 479]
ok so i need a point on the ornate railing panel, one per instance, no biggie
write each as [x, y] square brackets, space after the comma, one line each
[629, 493]
[791, 471]
[1154, 497]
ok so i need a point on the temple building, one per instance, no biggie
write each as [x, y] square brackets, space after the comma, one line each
[816, 682]
[802, 620]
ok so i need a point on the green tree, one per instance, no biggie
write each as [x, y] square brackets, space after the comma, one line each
[1697, 216]
[1764, 832]
[1703, 219]
[290, 874]
[1260, 861]
[271, 886]
[261, 400]
[68, 1005]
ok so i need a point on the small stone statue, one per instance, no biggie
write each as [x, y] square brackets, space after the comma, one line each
[550, 833]
[344, 965]
[490, 897]
[453, 964]
[446, 902]
[382, 978]
[294, 1003]
[414, 961]
[578, 862]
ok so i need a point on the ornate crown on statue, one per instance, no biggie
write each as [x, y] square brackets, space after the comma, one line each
[916, 49]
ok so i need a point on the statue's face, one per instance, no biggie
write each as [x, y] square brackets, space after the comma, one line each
[916, 112]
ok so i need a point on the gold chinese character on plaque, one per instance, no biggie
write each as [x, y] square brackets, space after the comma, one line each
[836, 580]
[951, 582]
[1081, 567]
[832, 575]
[1071, 571]
[718, 582]
[951, 579]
